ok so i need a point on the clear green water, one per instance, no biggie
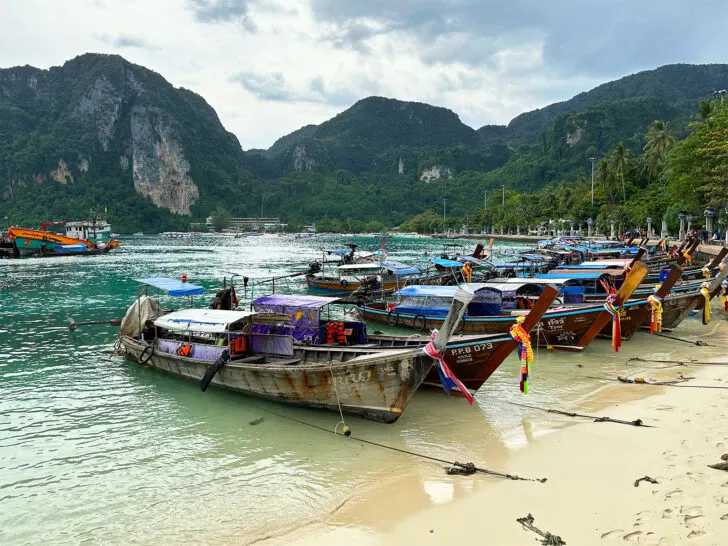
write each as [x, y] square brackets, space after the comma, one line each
[96, 449]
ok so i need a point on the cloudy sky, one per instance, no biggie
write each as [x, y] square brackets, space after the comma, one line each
[270, 66]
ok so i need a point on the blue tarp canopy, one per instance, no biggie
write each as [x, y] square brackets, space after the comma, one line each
[80, 247]
[446, 263]
[173, 287]
[399, 268]
[294, 301]
[339, 251]
[427, 291]
[574, 276]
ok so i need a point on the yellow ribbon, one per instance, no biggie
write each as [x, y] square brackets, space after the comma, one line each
[656, 319]
[706, 272]
[706, 309]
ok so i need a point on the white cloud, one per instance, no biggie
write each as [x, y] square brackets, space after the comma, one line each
[269, 68]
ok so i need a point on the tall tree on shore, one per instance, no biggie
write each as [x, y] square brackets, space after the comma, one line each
[705, 108]
[604, 177]
[659, 140]
[619, 160]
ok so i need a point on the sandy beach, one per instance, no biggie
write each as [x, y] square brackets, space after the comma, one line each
[590, 496]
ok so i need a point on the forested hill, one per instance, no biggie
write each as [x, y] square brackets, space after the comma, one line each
[679, 85]
[100, 131]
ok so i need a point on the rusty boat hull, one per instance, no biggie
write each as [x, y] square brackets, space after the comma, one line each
[365, 382]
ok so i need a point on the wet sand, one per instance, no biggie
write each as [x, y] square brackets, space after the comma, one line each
[590, 496]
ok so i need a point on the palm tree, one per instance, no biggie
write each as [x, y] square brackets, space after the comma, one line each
[604, 177]
[619, 164]
[659, 140]
[705, 109]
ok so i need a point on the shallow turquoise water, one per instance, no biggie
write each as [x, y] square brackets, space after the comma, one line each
[93, 448]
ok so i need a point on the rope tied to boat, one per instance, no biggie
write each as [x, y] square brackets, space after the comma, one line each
[594, 418]
[525, 351]
[705, 291]
[345, 429]
[466, 466]
[655, 302]
[616, 321]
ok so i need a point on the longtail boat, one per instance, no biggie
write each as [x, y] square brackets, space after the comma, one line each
[472, 358]
[378, 276]
[221, 348]
[635, 313]
[674, 315]
[561, 327]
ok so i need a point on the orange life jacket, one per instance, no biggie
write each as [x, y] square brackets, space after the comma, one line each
[238, 345]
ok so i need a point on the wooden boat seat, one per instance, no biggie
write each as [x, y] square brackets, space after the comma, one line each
[286, 361]
[249, 359]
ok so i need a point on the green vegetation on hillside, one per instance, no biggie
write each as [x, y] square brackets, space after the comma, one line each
[378, 164]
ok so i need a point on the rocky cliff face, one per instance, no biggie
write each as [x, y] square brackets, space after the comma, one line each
[104, 118]
[159, 167]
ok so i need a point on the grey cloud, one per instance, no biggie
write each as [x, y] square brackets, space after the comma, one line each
[578, 36]
[224, 11]
[265, 86]
[125, 40]
[274, 87]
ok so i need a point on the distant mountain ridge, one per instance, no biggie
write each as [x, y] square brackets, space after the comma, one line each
[681, 85]
[100, 131]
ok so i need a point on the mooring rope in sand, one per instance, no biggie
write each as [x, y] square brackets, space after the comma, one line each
[699, 342]
[635, 423]
[547, 539]
[659, 383]
[455, 467]
[678, 362]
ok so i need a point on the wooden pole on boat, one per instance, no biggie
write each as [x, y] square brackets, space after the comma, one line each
[548, 295]
[715, 262]
[698, 302]
[640, 252]
[665, 287]
[630, 284]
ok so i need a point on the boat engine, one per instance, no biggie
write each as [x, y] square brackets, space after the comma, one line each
[224, 299]
[313, 268]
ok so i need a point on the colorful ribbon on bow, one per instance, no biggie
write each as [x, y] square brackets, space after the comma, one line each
[706, 272]
[616, 322]
[706, 308]
[655, 302]
[687, 257]
[525, 351]
[447, 378]
[723, 299]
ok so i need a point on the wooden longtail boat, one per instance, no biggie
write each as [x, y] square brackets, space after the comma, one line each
[219, 347]
[386, 276]
[472, 358]
[672, 316]
[562, 328]
[635, 313]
